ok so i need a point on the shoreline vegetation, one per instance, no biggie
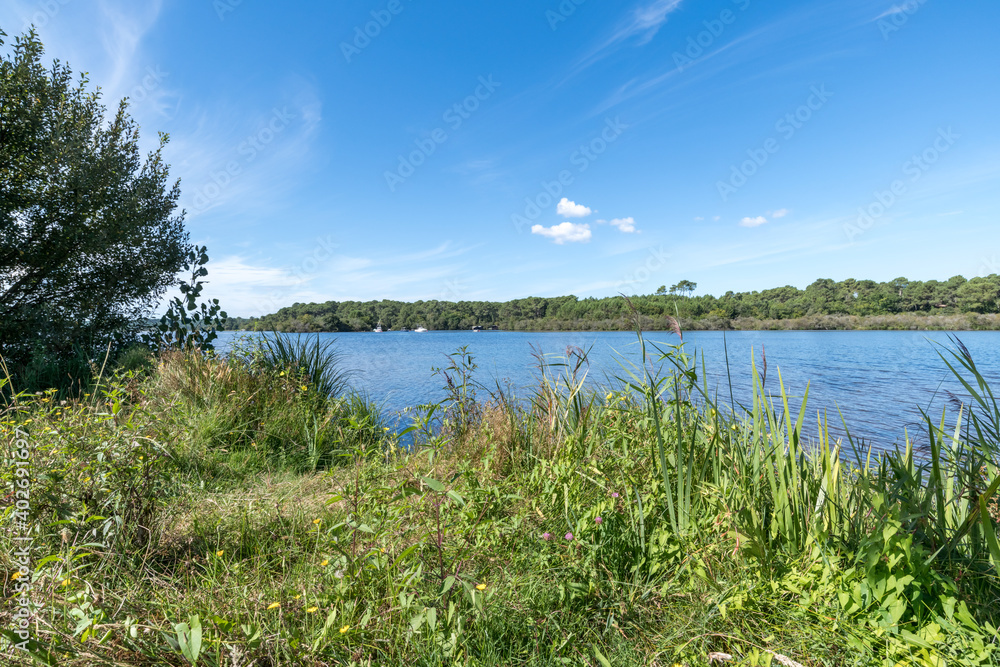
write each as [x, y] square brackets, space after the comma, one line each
[953, 305]
[193, 509]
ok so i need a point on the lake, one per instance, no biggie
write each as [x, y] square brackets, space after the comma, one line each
[878, 379]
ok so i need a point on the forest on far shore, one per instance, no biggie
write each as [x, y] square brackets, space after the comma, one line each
[823, 304]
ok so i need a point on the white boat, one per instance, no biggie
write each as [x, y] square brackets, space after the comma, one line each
[420, 330]
[378, 327]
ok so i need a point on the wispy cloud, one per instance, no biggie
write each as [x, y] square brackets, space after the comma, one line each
[248, 286]
[247, 159]
[753, 222]
[624, 225]
[895, 9]
[121, 36]
[643, 22]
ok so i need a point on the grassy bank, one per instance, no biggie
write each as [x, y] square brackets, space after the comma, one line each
[248, 512]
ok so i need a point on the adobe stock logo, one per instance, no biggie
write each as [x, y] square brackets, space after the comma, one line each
[562, 13]
[894, 19]
[581, 158]
[249, 148]
[455, 116]
[883, 200]
[223, 7]
[655, 262]
[46, 12]
[697, 44]
[363, 35]
[788, 125]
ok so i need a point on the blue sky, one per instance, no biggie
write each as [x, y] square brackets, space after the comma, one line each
[407, 149]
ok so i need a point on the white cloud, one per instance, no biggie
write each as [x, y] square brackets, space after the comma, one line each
[624, 225]
[780, 213]
[571, 209]
[566, 232]
[698, 218]
[753, 222]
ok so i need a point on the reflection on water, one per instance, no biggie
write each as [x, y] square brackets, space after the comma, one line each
[878, 380]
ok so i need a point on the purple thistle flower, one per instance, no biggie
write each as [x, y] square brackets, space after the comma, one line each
[569, 537]
[598, 521]
[614, 495]
[546, 536]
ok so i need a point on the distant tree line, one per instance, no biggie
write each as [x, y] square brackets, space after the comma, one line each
[824, 297]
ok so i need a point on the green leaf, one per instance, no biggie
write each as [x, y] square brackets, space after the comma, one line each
[433, 484]
[189, 639]
[600, 658]
[990, 531]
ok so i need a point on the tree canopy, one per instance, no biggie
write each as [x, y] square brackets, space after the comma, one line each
[89, 238]
[823, 297]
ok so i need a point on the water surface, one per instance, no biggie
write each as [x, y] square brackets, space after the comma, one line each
[878, 380]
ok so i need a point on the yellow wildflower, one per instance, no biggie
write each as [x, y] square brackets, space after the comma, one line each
[311, 610]
[481, 587]
[219, 552]
[16, 575]
[274, 605]
[65, 582]
[345, 629]
[317, 521]
[324, 563]
[296, 597]
[609, 396]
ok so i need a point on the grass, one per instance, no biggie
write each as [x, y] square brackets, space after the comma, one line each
[239, 512]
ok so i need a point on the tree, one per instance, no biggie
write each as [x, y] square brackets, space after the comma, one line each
[685, 287]
[979, 295]
[89, 241]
